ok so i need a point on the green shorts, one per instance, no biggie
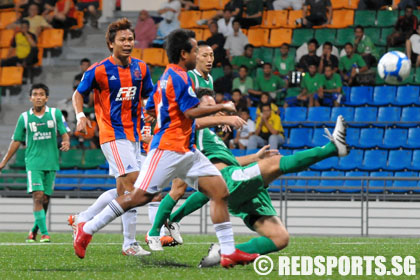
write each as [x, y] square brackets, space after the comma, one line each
[41, 180]
[248, 197]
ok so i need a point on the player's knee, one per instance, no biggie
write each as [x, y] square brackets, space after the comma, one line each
[176, 193]
[281, 239]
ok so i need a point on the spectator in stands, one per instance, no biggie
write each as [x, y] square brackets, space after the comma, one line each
[268, 129]
[44, 6]
[285, 62]
[365, 47]
[253, 13]
[412, 47]
[216, 41]
[236, 6]
[225, 24]
[320, 13]
[244, 83]
[145, 30]
[242, 134]
[84, 65]
[373, 4]
[351, 65]
[239, 100]
[405, 27]
[330, 92]
[310, 58]
[166, 26]
[271, 84]
[246, 59]
[328, 58]
[37, 22]
[189, 5]
[91, 8]
[286, 4]
[171, 10]
[224, 83]
[219, 97]
[404, 3]
[236, 42]
[63, 16]
[23, 51]
[266, 99]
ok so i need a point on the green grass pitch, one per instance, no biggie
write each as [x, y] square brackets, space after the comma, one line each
[103, 260]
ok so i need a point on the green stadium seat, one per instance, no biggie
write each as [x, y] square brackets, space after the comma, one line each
[92, 159]
[343, 36]
[156, 73]
[386, 18]
[217, 72]
[19, 159]
[265, 54]
[292, 52]
[365, 18]
[71, 159]
[324, 35]
[5, 181]
[385, 32]
[373, 33]
[301, 36]
[22, 181]
[417, 76]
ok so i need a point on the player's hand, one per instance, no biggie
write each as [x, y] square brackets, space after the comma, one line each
[81, 125]
[229, 106]
[2, 165]
[148, 118]
[146, 138]
[65, 146]
[264, 152]
[235, 121]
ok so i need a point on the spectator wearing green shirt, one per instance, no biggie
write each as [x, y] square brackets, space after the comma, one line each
[351, 65]
[244, 83]
[365, 47]
[246, 59]
[285, 62]
[252, 14]
[329, 93]
[269, 83]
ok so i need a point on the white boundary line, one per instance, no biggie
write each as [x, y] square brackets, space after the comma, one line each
[71, 243]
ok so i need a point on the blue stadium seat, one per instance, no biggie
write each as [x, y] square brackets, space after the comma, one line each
[275, 186]
[251, 151]
[364, 114]
[352, 161]
[360, 96]
[288, 182]
[310, 183]
[336, 184]
[281, 113]
[399, 186]
[354, 186]
[346, 112]
[284, 152]
[388, 114]
[326, 164]
[318, 139]
[111, 182]
[91, 181]
[318, 114]
[407, 95]
[238, 152]
[378, 186]
[413, 138]
[352, 136]
[383, 95]
[69, 184]
[399, 160]
[299, 137]
[294, 114]
[394, 138]
[415, 163]
[253, 113]
[410, 114]
[374, 160]
[104, 165]
[370, 137]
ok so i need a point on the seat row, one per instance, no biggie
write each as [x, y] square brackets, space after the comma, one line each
[382, 95]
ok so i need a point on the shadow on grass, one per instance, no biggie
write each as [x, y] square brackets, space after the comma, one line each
[154, 262]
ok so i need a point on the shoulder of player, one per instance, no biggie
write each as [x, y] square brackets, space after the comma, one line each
[178, 76]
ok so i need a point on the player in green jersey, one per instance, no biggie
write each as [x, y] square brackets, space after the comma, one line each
[201, 74]
[38, 128]
[247, 178]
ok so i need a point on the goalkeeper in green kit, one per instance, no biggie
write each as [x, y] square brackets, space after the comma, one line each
[247, 179]
[38, 128]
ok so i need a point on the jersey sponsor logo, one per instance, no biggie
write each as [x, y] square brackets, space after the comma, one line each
[42, 136]
[126, 93]
[113, 78]
[163, 84]
[191, 92]
[137, 75]
[50, 124]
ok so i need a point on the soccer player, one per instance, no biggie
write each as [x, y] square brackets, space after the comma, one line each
[38, 128]
[247, 178]
[173, 154]
[119, 82]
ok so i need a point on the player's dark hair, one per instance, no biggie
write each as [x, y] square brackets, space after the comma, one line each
[83, 60]
[114, 27]
[202, 43]
[25, 21]
[178, 40]
[409, 7]
[243, 66]
[360, 27]
[249, 46]
[262, 105]
[313, 41]
[265, 93]
[37, 86]
[246, 110]
[267, 63]
[236, 90]
[286, 45]
[200, 92]
[236, 20]
[328, 44]
[348, 44]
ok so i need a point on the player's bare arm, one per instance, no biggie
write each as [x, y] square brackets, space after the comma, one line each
[210, 121]
[82, 121]
[204, 111]
[264, 152]
[65, 143]
[13, 147]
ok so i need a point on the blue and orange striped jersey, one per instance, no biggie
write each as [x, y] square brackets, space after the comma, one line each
[174, 94]
[118, 91]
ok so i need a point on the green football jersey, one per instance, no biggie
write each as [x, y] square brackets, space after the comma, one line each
[213, 147]
[311, 83]
[332, 83]
[40, 136]
[199, 80]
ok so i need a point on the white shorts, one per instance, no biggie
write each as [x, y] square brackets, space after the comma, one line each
[123, 156]
[162, 166]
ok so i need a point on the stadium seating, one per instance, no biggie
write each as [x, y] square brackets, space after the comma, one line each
[299, 137]
[318, 138]
[92, 159]
[71, 159]
[386, 18]
[346, 112]
[342, 18]
[294, 114]
[335, 184]
[388, 114]
[326, 164]
[354, 186]
[413, 137]
[258, 36]
[324, 35]
[305, 185]
[378, 186]
[352, 161]
[93, 181]
[374, 160]
[51, 38]
[275, 19]
[352, 137]
[318, 114]
[279, 37]
[394, 138]
[415, 163]
[188, 19]
[301, 36]
[410, 114]
[19, 159]
[11, 76]
[364, 115]
[399, 186]
[365, 18]
[67, 184]
[399, 160]
[360, 96]
[370, 137]
[343, 36]
[383, 95]
[407, 95]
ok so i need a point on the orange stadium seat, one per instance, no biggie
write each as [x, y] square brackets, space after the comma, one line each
[6, 37]
[293, 16]
[51, 38]
[198, 33]
[137, 53]
[209, 4]
[279, 36]
[206, 34]
[7, 18]
[165, 59]
[339, 4]
[10, 76]
[258, 36]
[188, 19]
[153, 56]
[40, 56]
[342, 18]
[78, 15]
[275, 19]
[4, 52]
[208, 14]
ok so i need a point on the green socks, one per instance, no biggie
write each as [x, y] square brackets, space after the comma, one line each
[165, 209]
[261, 245]
[193, 202]
[302, 160]
[41, 221]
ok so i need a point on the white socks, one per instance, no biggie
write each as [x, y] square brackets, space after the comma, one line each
[97, 206]
[129, 221]
[225, 235]
[153, 208]
[106, 216]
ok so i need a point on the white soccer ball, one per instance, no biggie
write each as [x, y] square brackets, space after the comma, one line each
[394, 67]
